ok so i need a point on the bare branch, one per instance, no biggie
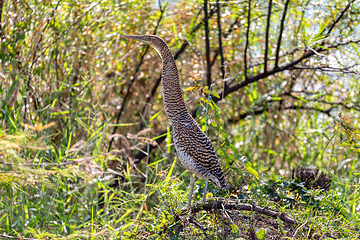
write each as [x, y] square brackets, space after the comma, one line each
[335, 104]
[330, 69]
[325, 111]
[267, 37]
[236, 86]
[247, 39]
[288, 66]
[217, 51]
[281, 32]
[222, 67]
[207, 43]
[235, 205]
[292, 107]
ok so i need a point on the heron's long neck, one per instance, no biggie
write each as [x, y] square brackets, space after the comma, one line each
[174, 103]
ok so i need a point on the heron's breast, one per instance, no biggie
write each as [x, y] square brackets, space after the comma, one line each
[189, 162]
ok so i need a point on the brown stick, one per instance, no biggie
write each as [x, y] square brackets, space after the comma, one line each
[234, 205]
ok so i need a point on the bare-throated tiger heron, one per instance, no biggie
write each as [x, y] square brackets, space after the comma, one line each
[193, 147]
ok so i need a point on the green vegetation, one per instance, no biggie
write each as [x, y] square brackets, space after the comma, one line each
[86, 149]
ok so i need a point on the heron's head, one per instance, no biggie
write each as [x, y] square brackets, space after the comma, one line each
[152, 40]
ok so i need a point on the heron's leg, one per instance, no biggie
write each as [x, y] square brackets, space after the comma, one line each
[205, 189]
[192, 182]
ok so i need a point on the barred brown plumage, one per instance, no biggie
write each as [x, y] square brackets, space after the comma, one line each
[193, 147]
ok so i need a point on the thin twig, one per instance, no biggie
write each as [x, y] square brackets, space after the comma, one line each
[297, 229]
[328, 69]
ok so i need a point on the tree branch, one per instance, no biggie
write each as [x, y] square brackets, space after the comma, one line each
[207, 43]
[281, 32]
[292, 107]
[217, 51]
[288, 66]
[222, 67]
[244, 83]
[236, 86]
[329, 69]
[267, 37]
[247, 40]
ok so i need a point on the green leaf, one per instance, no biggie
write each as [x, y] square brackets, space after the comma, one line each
[130, 210]
[203, 128]
[261, 234]
[171, 170]
[213, 123]
[274, 177]
[126, 225]
[215, 94]
[345, 144]
[251, 170]
[168, 138]
[191, 88]
[155, 115]
[269, 151]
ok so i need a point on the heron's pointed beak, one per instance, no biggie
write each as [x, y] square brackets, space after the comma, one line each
[135, 37]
